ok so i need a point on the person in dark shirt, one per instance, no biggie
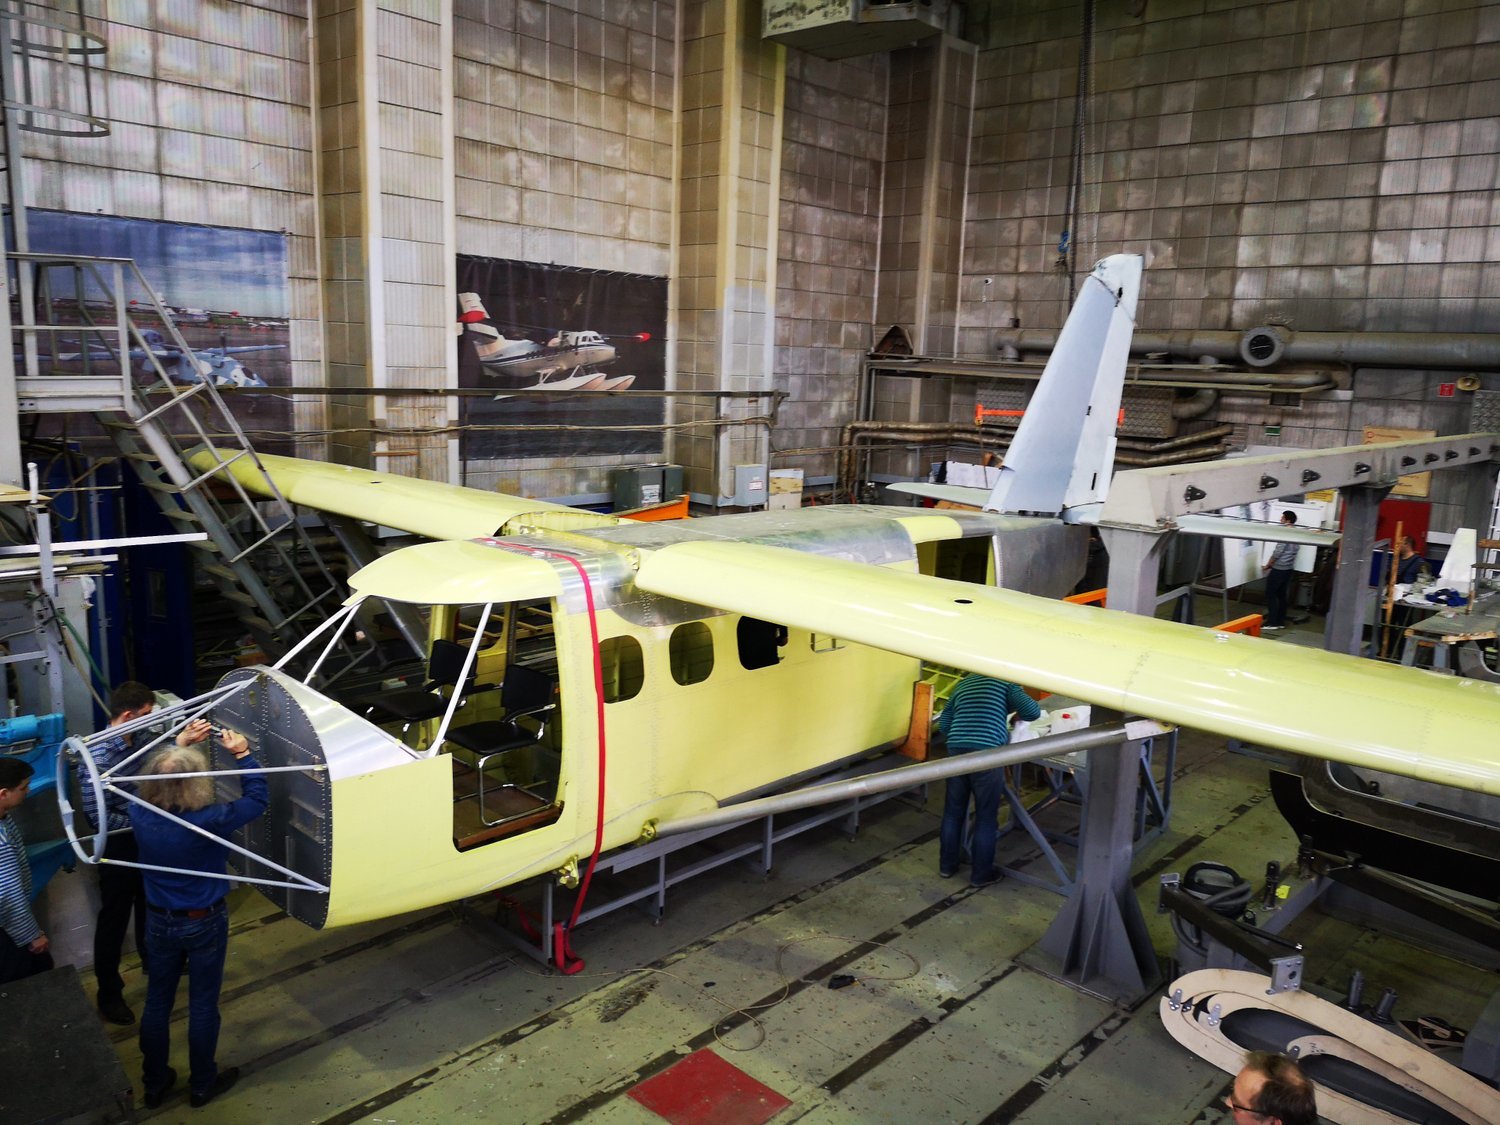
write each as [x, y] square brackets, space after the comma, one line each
[1409, 564]
[187, 922]
[977, 718]
[121, 891]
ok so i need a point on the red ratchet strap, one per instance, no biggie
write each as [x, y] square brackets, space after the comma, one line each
[562, 948]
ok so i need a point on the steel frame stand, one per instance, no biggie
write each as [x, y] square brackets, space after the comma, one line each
[1344, 630]
[1099, 942]
[658, 856]
[1068, 783]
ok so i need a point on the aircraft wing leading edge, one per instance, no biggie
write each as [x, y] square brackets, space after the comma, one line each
[422, 507]
[1366, 714]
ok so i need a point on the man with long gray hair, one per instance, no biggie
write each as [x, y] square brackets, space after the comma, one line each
[187, 922]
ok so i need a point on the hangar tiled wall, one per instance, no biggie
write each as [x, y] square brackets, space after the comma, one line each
[564, 153]
[209, 102]
[833, 152]
[1327, 166]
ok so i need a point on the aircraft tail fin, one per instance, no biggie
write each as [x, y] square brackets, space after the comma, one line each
[1063, 453]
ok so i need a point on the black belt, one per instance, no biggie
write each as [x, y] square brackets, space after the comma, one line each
[203, 912]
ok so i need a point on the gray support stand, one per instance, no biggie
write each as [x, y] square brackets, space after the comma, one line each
[1099, 941]
[1344, 630]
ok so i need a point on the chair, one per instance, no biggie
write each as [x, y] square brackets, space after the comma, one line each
[415, 705]
[525, 693]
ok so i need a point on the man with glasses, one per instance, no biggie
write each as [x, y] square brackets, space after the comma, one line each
[1272, 1090]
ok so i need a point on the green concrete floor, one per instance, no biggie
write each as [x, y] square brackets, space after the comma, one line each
[430, 1018]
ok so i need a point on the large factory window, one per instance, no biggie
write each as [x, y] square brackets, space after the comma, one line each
[623, 666]
[692, 652]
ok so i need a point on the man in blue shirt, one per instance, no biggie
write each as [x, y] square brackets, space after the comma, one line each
[977, 718]
[121, 891]
[187, 922]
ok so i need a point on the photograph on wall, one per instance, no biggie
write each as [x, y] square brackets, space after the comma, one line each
[563, 352]
[224, 290]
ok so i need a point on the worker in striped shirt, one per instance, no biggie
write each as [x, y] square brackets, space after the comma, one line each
[977, 718]
[1278, 570]
[23, 945]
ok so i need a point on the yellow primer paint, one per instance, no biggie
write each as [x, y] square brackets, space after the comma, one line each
[672, 750]
[423, 507]
[1424, 725]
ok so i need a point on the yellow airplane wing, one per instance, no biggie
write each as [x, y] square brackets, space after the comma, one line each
[1420, 724]
[422, 507]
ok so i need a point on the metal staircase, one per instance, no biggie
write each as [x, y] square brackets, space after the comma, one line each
[261, 559]
[75, 348]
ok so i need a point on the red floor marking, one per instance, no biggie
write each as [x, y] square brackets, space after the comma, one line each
[704, 1089]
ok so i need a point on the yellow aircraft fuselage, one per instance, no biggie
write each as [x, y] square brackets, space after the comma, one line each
[699, 707]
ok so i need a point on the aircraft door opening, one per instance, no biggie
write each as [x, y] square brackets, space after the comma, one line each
[506, 745]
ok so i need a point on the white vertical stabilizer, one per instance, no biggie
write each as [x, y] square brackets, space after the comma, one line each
[1458, 563]
[1064, 449]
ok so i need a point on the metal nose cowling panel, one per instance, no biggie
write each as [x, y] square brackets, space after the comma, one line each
[291, 725]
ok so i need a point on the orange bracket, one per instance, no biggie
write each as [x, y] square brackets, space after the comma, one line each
[983, 412]
[1088, 597]
[1250, 623]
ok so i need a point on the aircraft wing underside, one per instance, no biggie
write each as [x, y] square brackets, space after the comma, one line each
[1438, 728]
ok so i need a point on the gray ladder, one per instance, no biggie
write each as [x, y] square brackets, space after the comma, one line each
[261, 559]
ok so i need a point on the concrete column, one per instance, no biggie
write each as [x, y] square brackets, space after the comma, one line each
[733, 87]
[922, 228]
[384, 149]
[1099, 938]
[1344, 628]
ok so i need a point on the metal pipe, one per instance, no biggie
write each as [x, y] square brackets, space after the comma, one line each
[903, 777]
[897, 431]
[1196, 405]
[1199, 438]
[1174, 457]
[1467, 350]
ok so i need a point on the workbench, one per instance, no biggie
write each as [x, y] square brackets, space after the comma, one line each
[1450, 626]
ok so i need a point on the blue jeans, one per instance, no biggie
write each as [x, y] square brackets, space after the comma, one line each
[199, 946]
[985, 788]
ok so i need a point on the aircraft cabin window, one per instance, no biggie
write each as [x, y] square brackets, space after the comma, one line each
[760, 642]
[692, 653]
[624, 668]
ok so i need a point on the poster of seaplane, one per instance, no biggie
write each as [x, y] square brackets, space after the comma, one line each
[624, 676]
[567, 361]
[524, 327]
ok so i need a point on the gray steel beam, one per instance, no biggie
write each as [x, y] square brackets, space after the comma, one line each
[1154, 498]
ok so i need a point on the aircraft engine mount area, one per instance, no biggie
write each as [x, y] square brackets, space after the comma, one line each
[670, 561]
